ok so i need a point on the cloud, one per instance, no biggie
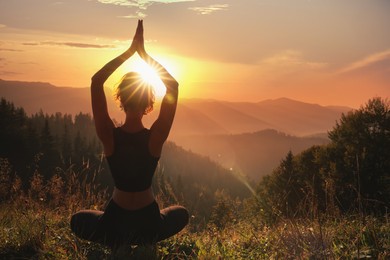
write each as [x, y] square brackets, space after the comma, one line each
[31, 43]
[120, 2]
[8, 49]
[138, 14]
[209, 9]
[9, 73]
[373, 60]
[141, 4]
[71, 44]
[292, 58]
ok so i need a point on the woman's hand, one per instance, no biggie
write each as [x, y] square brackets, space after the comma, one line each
[139, 35]
[137, 44]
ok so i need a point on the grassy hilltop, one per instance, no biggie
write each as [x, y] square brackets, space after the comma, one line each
[35, 225]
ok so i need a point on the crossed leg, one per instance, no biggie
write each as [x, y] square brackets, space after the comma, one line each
[87, 224]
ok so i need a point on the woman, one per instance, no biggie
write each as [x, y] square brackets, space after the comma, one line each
[132, 152]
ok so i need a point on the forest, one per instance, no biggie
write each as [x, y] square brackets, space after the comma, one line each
[329, 201]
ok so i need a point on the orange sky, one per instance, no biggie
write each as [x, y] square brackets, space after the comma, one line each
[331, 52]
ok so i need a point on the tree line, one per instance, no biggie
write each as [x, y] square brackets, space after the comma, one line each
[42, 150]
[46, 142]
[351, 174]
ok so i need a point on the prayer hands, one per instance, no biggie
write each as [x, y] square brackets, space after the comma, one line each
[138, 41]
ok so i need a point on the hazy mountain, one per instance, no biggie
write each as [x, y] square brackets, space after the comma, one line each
[231, 133]
[251, 154]
[33, 96]
[227, 115]
[293, 117]
[194, 116]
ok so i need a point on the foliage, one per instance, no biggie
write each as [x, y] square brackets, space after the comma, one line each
[360, 151]
[194, 181]
[36, 228]
[52, 143]
[46, 142]
[351, 174]
[301, 211]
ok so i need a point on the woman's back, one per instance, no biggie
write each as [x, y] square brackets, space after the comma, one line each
[131, 164]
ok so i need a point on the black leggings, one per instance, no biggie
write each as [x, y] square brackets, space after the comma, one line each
[116, 226]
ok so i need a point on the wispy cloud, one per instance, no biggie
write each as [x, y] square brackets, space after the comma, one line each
[120, 2]
[138, 14]
[9, 73]
[368, 61]
[292, 58]
[142, 4]
[9, 49]
[71, 44]
[210, 9]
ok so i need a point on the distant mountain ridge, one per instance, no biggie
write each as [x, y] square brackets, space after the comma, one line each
[251, 154]
[194, 116]
[36, 96]
[237, 135]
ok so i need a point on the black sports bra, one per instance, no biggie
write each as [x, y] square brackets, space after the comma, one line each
[131, 164]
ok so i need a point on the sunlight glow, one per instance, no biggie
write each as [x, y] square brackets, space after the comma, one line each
[150, 76]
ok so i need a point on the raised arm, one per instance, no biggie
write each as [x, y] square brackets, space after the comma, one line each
[103, 122]
[162, 126]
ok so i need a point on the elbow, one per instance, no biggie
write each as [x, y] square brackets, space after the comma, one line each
[96, 80]
[172, 93]
[174, 87]
[94, 77]
[173, 90]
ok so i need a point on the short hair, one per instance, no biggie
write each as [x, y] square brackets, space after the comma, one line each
[135, 94]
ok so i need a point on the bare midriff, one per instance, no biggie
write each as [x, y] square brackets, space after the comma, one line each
[133, 200]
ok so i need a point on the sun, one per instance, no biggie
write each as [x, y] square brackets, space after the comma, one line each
[150, 75]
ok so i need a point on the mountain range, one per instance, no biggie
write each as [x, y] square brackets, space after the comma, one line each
[235, 134]
[250, 155]
[194, 116]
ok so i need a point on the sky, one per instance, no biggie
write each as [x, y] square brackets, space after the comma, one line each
[330, 52]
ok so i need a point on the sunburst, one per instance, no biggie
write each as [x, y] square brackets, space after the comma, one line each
[151, 76]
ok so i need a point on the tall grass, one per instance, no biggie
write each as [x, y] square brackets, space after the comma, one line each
[34, 224]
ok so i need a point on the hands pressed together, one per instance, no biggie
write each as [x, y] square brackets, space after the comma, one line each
[138, 41]
[138, 46]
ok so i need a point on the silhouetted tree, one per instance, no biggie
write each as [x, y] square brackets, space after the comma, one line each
[361, 152]
[49, 155]
[351, 173]
[66, 154]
